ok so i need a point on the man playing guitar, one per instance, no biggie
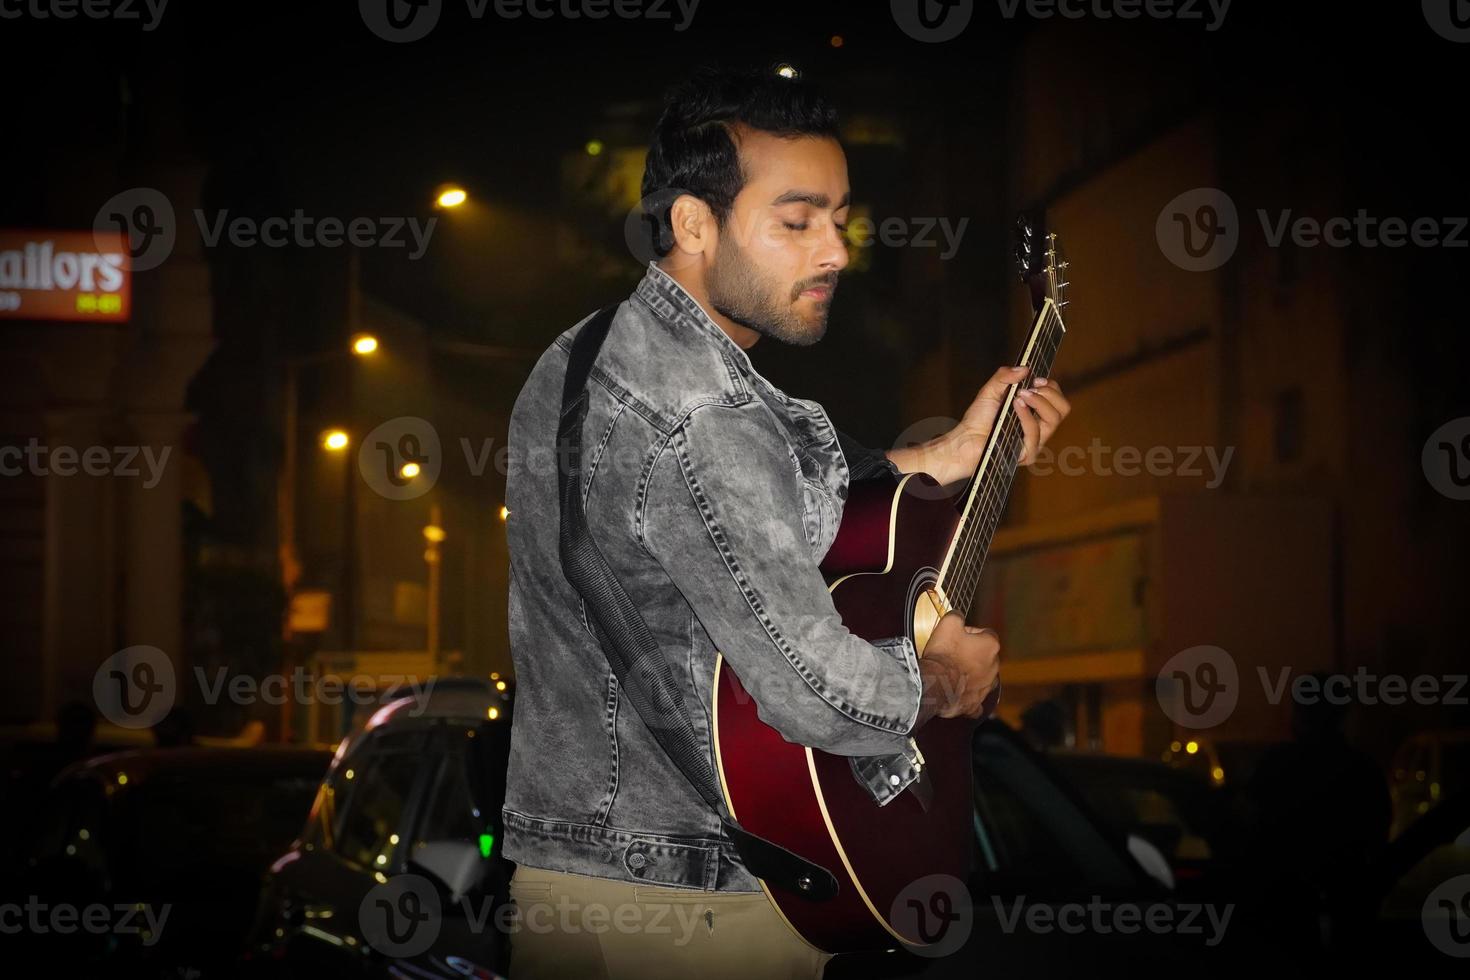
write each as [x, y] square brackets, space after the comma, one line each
[714, 496]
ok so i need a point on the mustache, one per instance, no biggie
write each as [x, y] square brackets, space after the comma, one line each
[829, 280]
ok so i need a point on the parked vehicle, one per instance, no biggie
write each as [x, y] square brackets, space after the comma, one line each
[1427, 767]
[1175, 809]
[398, 870]
[166, 846]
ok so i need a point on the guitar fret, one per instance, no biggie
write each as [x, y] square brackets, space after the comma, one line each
[986, 503]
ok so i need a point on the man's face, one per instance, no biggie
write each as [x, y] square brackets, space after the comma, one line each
[781, 248]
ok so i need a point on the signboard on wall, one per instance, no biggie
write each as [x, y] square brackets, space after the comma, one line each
[64, 275]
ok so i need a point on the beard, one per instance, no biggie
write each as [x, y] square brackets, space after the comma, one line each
[740, 290]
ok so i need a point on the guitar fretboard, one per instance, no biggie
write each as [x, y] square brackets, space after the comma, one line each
[985, 495]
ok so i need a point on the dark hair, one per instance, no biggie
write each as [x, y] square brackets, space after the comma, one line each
[692, 152]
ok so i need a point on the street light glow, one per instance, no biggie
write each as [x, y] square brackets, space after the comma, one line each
[451, 196]
[409, 470]
[334, 439]
[364, 344]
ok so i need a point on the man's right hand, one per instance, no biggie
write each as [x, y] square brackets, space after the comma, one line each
[960, 666]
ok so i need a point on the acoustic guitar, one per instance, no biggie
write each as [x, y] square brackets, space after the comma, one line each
[906, 552]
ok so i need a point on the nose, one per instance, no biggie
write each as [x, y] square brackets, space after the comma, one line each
[831, 253]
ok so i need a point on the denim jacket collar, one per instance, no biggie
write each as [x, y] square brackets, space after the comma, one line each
[670, 300]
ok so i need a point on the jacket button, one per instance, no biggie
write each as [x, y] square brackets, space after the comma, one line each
[636, 861]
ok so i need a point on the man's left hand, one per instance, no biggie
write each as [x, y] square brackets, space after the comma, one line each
[955, 455]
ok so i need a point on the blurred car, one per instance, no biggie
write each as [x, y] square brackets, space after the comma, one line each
[1412, 911]
[1198, 755]
[1427, 767]
[407, 818]
[1048, 868]
[1175, 809]
[178, 836]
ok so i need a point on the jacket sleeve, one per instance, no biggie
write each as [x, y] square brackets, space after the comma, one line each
[863, 462]
[723, 517]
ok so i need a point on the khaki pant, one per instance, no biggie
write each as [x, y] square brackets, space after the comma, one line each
[586, 928]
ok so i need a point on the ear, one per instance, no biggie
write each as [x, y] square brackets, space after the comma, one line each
[695, 231]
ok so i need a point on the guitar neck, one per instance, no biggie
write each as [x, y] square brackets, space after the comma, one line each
[985, 495]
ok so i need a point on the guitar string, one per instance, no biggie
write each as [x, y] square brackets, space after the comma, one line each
[976, 535]
[993, 497]
[990, 504]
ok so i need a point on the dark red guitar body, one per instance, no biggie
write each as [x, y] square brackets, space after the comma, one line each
[888, 552]
[905, 554]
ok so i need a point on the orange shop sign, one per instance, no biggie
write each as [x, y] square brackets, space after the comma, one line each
[64, 275]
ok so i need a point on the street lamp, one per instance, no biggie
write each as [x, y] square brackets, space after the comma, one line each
[450, 196]
[333, 440]
[434, 536]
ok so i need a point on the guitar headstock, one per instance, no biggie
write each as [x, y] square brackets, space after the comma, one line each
[1039, 261]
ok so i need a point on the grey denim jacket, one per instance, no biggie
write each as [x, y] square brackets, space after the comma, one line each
[714, 496]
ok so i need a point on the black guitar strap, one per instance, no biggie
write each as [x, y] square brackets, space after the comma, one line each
[643, 672]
